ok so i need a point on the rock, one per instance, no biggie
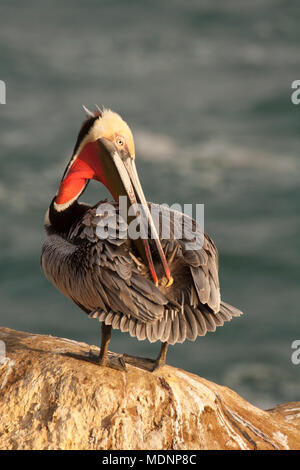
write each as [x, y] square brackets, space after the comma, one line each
[289, 411]
[52, 397]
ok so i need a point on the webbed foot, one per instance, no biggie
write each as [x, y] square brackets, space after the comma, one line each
[112, 360]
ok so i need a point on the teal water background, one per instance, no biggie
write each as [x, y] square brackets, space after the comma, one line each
[205, 87]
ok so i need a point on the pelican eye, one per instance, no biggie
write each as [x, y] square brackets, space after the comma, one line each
[120, 142]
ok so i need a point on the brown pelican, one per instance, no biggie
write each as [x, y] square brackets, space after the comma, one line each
[154, 288]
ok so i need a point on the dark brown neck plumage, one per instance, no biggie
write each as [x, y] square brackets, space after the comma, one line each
[61, 222]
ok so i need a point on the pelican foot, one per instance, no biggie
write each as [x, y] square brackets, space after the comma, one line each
[114, 361]
[111, 360]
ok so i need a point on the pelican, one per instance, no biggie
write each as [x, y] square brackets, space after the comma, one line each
[152, 287]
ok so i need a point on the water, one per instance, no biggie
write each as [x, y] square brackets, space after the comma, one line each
[205, 87]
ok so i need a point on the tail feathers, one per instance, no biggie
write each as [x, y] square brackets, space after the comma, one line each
[173, 327]
[229, 310]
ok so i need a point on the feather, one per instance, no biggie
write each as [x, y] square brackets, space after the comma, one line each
[214, 298]
[88, 112]
[232, 311]
[167, 330]
[116, 321]
[155, 330]
[191, 325]
[124, 325]
[160, 328]
[210, 324]
[102, 316]
[150, 333]
[201, 284]
[132, 327]
[140, 331]
[109, 318]
[182, 327]
[225, 315]
[193, 297]
[201, 323]
[94, 314]
[218, 319]
[174, 330]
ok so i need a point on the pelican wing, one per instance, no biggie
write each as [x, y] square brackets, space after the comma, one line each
[194, 258]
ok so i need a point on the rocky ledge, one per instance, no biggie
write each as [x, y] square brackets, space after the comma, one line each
[53, 397]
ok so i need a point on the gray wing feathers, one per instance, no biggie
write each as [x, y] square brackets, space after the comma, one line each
[191, 324]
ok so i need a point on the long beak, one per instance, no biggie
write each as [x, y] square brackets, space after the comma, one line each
[122, 179]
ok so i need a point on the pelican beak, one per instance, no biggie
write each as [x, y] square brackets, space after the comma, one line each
[122, 180]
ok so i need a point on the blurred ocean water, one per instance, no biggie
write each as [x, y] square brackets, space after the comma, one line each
[205, 87]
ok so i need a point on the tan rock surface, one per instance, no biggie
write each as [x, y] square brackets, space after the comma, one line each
[51, 397]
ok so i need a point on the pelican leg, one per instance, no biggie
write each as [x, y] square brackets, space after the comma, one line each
[148, 364]
[114, 361]
[105, 339]
[161, 359]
